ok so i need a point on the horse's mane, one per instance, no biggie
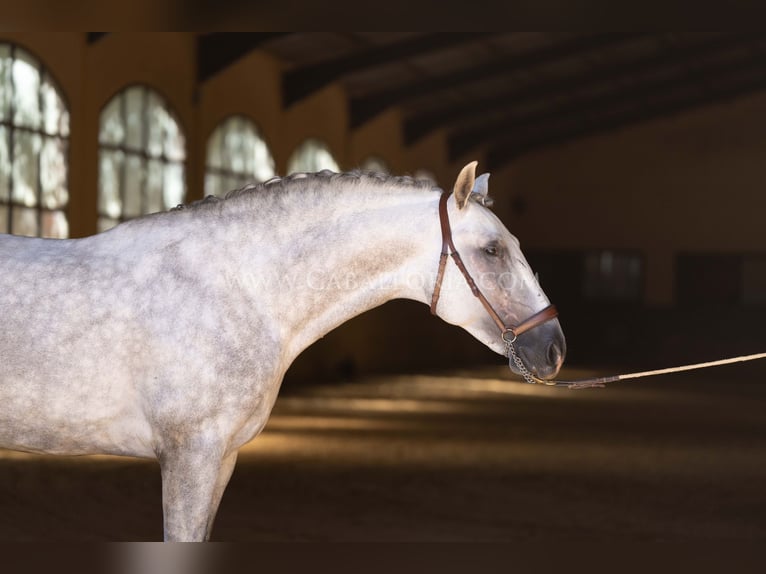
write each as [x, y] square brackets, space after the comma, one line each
[302, 181]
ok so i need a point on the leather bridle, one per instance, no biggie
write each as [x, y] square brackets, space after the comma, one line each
[508, 333]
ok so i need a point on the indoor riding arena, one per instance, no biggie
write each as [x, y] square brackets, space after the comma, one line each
[629, 167]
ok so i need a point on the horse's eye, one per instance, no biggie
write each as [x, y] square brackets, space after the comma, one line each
[491, 250]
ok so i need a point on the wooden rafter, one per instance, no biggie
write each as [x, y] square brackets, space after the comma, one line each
[304, 81]
[365, 108]
[94, 37]
[217, 51]
[418, 126]
[690, 71]
[731, 81]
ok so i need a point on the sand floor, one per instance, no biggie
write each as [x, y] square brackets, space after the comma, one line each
[469, 456]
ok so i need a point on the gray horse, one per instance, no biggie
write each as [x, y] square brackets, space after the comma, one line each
[168, 336]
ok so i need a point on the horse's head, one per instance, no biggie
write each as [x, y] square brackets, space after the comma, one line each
[493, 258]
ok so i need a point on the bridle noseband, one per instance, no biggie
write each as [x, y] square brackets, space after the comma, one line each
[509, 334]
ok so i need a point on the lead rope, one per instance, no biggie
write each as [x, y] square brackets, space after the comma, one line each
[600, 382]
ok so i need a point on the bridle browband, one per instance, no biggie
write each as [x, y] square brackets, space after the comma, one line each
[509, 334]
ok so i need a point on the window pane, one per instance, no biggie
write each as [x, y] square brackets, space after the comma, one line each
[55, 225]
[305, 159]
[155, 124]
[26, 150]
[213, 184]
[235, 146]
[134, 110]
[246, 147]
[324, 160]
[234, 149]
[311, 156]
[105, 223]
[264, 163]
[53, 171]
[249, 137]
[4, 219]
[214, 158]
[26, 82]
[112, 129]
[223, 185]
[24, 222]
[149, 185]
[153, 197]
[5, 165]
[134, 180]
[110, 171]
[165, 136]
[173, 185]
[55, 113]
[5, 81]
[174, 142]
[231, 183]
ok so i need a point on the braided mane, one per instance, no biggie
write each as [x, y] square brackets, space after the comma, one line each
[303, 181]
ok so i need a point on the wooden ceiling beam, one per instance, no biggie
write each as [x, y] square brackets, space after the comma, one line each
[732, 83]
[93, 37]
[304, 81]
[416, 127]
[218, 51]
[465, 140]
[366, 107]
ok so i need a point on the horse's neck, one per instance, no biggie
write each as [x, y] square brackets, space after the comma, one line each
[347, 254]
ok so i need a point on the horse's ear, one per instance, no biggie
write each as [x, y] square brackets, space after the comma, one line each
[481, 186]
[464, 184]
[480, 193]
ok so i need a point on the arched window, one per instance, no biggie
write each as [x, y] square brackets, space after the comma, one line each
[34, 144]
[374, 163]
[236, 155]
[141, 160]
[312, 155]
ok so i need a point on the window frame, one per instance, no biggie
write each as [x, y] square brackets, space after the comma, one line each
[141, 152]
[10, 125]
[305, 142]
[225, 173]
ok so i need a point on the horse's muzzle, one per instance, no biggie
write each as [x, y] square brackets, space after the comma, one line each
[542, 350]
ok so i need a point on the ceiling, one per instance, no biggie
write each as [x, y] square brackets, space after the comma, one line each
[508, 93]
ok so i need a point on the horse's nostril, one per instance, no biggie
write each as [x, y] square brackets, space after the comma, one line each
[554, 354]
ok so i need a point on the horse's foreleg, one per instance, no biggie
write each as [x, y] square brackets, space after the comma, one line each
[224, 474]
[193, 482]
